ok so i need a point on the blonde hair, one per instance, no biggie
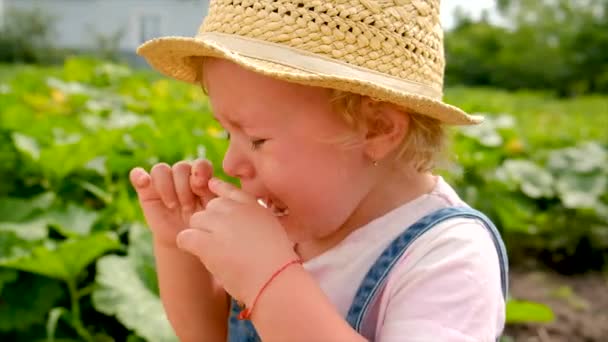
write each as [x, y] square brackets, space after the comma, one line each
[424, 144]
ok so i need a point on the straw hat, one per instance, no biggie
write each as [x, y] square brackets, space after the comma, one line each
[391, 50]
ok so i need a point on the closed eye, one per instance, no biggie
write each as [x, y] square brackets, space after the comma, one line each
[257, 143]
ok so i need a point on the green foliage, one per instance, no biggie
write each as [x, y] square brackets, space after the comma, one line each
[71, 233]
[558, 45]
[26, 300]
[127, 288]
[550, 202]
[528, 312]
[66, 260]
[25, 36]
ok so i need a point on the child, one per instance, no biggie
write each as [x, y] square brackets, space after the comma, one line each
[339, 231]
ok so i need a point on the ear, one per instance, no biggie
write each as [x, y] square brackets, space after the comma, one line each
[387, 125]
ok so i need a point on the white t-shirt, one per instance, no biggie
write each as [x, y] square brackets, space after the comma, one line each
[446, 287]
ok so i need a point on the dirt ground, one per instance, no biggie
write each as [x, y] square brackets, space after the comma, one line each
[580, 304]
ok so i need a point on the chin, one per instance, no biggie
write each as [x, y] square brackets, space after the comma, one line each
[295, 233]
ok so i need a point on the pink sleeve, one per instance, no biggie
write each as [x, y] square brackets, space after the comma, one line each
[445, 288]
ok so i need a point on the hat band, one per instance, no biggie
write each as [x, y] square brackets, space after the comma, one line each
[313, 63]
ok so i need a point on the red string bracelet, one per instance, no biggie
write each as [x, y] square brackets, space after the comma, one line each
[246, 312]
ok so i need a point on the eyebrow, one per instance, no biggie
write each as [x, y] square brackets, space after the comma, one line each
[232, 123]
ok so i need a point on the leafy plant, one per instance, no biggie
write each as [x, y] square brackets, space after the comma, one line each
[528, 312]
[68, 224]
[71, 232]
[550, 203]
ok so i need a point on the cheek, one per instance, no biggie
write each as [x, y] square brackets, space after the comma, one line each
[319, 209]
[319, 186]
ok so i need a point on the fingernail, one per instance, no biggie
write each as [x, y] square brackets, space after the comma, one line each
[142, 181]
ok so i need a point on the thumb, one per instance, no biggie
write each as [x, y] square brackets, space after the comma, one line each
[192, 241]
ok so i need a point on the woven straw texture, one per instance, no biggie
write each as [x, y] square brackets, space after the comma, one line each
[391, 50]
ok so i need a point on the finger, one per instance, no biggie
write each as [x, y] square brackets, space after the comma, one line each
[194, 241]
[202, 171]
[202, 220]
[227, 190]
[181, 180]
[162, 179]
[142, 181]
[220, 205]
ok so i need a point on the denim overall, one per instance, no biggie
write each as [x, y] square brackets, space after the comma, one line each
[362, 315]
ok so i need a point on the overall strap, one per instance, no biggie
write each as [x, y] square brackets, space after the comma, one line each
[240, 330]
[375, 279]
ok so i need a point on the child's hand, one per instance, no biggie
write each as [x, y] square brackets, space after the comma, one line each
[240, 242]
[169, 196]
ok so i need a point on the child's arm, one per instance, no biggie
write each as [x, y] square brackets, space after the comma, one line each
[294, 308]
[196, 307]
[241, 244]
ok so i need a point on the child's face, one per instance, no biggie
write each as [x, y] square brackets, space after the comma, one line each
[279, 149]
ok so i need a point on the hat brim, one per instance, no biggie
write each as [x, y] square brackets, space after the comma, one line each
[172, 56]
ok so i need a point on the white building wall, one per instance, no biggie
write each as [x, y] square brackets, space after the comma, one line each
[77, 21]
[1, 14]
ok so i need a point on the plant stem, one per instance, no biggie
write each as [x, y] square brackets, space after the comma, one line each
[85, 291]
[76, 319]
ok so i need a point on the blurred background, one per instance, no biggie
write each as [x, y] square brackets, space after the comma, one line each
[78, 110]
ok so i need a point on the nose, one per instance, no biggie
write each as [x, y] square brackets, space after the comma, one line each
[236, 161]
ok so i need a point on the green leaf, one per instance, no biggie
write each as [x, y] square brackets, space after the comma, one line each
[71, 88]
[103, 337]
[11, 246]
[122, 293]
[141, 254]
[59, 161]
[584, 158]
[118, 119]
[27, 145]
[26, 301]
[580, 190]
[7, 276]
[135, 338]
[51, 323]
[528, 312]
[104, 195]
[531, 179]
[73, 220]
[112, 72]
[17, 209]
[516, 215]
[97, 164]
[485, 134]
[32, 230]
[67, 260]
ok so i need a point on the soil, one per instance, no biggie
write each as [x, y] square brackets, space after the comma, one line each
[580, 305]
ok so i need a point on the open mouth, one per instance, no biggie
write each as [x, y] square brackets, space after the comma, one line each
[277, 209]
